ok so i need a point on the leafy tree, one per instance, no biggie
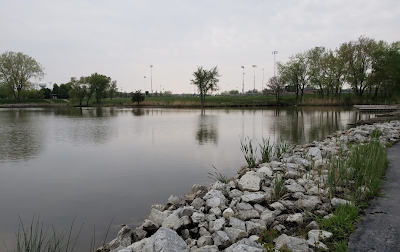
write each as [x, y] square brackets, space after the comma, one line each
[277, 84]
[79, 89]
[314, 62]
[357, 56]
[206, 81]
[63, 90]
[98, 85]
[55, 89]
[138, 97]
[295, 73]
[16, 69]
[113, 89]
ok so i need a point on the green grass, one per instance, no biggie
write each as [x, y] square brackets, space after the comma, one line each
[362, 177]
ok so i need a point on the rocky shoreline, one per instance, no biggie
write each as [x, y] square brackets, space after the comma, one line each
[231, 216]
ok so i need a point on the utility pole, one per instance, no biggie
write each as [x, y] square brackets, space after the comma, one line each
[144, 85]
[274, 53]
[262, 83]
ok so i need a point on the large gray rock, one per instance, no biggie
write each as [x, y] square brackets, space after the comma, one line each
[336, 202]
[307, 203]
[294, 244]
[235, 234]
[197, 191]
[165, 240]
[172, 222]
[198, 203]
[245, 245]
[268, 216]
[221, 239]
[208, 248]
[198, 217]
[254, 228]
[176, 201]
[216, 225]
[137, 246]
[214, 198]
[257, 197]
[294, 187]
[247, 214]
[204, 241]
[123, 238]
[251, 182]
[157, 216]
[237, 224]
[228, 213]
[314, 152]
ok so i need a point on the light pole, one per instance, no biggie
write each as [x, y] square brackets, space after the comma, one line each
[274, 53]
[262, 83]
[151, 78]
[121, 93]
[254, 66]
[243, 81]
[144, 85]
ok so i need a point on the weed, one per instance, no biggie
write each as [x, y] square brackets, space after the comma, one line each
[38, 239]
[279, 189]
[249, 152]
[266, 150]
[376, 133]
[217, 176]
[281, 148]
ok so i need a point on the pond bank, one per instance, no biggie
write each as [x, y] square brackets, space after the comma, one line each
[280, 196]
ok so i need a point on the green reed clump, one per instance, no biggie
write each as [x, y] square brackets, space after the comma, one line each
[249, 152]
[281, 148]
[217, 176]
[266, 150]
[376, 133]
[36, 238]
[279, 189]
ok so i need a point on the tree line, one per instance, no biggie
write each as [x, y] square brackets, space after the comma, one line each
[367, 66]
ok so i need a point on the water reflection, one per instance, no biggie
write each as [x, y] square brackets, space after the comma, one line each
[21, 135]
[138, 112]
[207, 131]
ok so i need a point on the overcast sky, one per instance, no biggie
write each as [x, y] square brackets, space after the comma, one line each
[122, 38]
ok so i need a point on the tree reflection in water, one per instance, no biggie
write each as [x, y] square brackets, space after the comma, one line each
[207, 129]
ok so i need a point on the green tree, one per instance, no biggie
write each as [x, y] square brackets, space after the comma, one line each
[357, 57]
[63, 90]
[206, 81]
[98, 85]
[113, 89]
[295, 73]
[79, 89]
[314, 62]
[16, 71]
[138, 97]
[55, 88]
[277, 84]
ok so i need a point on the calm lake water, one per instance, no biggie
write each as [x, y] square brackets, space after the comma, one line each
[93, 164]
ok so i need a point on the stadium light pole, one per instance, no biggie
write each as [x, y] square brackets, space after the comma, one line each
[151, 78]
[262, 83]
[144, 85]
[243, 81]
[254, 66]
[274, 53]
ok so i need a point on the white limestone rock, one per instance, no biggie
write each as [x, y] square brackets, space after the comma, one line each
[165, 240]
[251, 181]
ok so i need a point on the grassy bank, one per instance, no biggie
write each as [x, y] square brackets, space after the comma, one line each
[219, 101]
